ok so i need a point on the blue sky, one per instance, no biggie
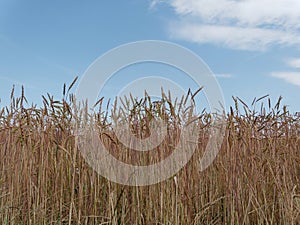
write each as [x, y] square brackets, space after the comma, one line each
[253, 46]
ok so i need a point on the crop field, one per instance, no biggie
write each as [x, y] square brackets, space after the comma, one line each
[255, 179]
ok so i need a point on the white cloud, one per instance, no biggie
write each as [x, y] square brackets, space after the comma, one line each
[244, 24]
[246, 12]
[234, 37]
[295, 63]
[290, 77]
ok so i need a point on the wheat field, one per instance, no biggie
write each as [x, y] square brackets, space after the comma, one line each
[44, 179]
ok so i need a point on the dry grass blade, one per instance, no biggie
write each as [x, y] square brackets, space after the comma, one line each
[99, 102]
[243, 102]
[261, 98]
[72, 84]
[64, 90]
[194, 95]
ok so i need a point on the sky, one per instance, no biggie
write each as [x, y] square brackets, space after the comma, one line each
[252, 46]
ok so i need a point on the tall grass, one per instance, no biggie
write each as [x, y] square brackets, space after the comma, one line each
[45, 180]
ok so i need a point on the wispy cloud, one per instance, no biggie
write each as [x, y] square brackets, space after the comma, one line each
[12, 82]
[295, 63]
[233, 37]
[290, 77]
[153, 3]
[247, 24]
